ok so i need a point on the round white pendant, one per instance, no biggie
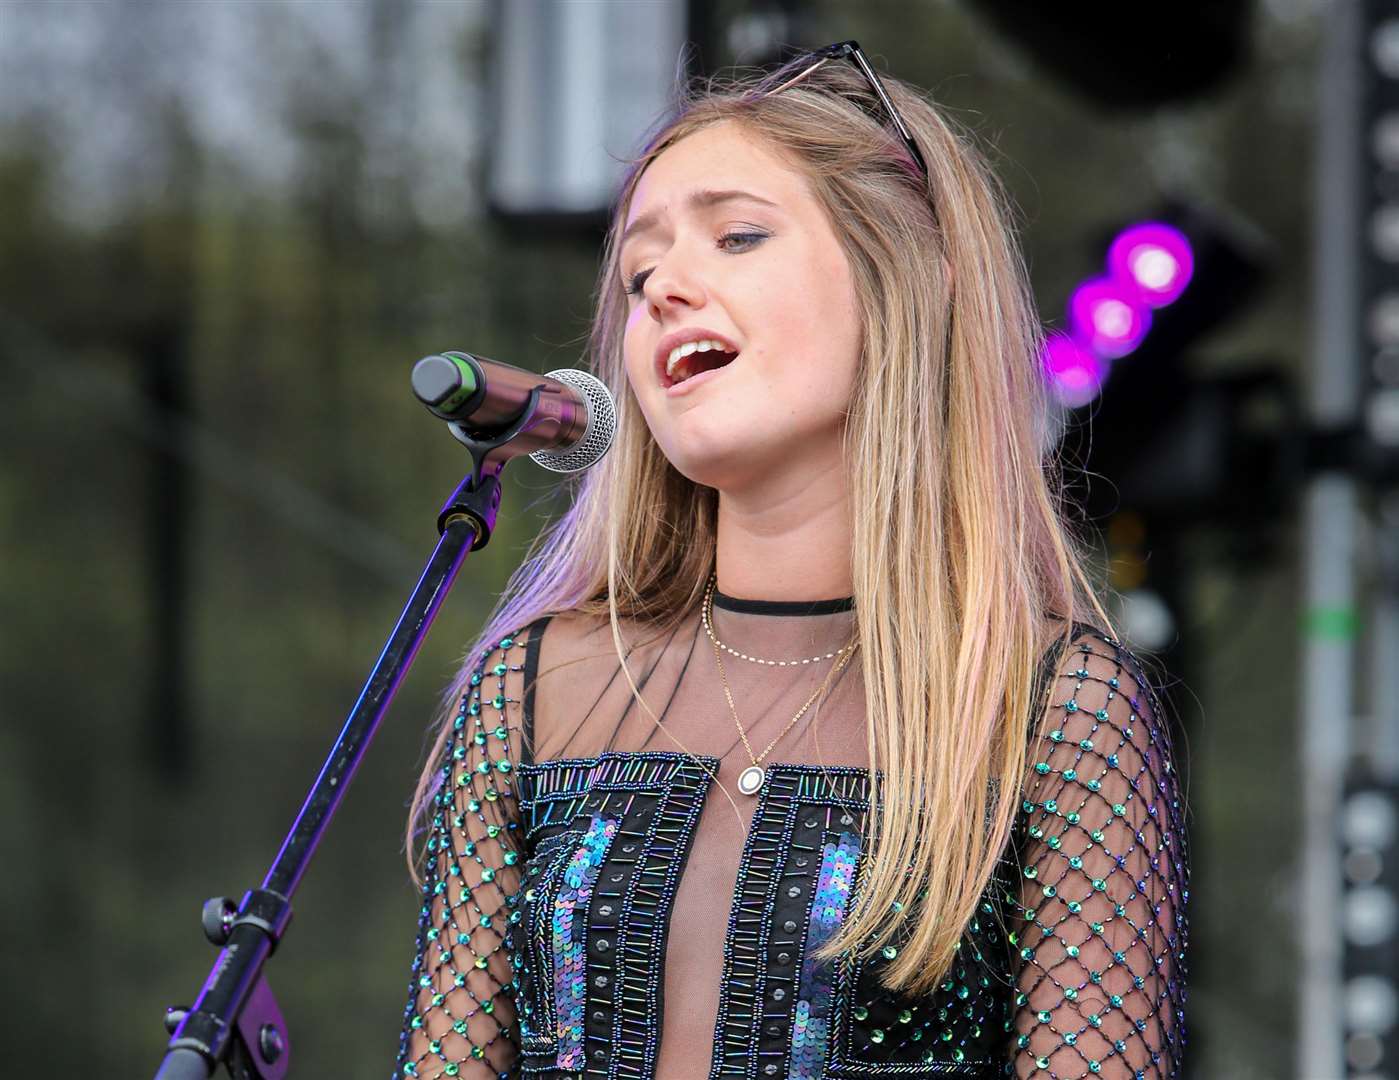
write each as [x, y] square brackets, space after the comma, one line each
[750, 780]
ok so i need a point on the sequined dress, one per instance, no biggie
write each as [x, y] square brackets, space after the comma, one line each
[558, 922]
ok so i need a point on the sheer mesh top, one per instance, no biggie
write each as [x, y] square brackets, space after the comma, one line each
[601, 901]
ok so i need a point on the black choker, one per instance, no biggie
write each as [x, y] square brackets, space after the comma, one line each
[782, 607]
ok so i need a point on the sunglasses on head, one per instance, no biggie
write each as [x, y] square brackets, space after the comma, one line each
[850, 50]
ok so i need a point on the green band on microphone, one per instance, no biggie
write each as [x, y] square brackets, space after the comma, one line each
[468, 384]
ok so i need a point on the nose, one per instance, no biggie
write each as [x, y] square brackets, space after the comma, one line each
[672, 286]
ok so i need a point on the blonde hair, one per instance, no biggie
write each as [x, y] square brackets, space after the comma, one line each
[960, 556]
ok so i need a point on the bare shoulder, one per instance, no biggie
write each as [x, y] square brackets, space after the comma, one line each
[576, 662]
[580, 691]
[568, 640]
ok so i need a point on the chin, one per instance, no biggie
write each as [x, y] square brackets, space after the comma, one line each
[703, 469]
[725, 468]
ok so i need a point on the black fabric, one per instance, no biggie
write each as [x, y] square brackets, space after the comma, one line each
[531, 675]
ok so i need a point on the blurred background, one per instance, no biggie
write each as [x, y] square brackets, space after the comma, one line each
[229, 227]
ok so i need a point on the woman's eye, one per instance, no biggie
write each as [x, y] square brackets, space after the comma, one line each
[747, 239]
[742, 240]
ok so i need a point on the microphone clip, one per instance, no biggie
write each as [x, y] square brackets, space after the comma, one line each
[477, 498]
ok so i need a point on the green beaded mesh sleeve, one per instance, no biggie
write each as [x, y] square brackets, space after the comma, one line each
[1101, 921]
[461, 1018]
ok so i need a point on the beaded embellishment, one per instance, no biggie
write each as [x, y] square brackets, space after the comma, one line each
[570, 938]
[461, 970]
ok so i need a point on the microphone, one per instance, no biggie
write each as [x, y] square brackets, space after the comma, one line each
[572, 424]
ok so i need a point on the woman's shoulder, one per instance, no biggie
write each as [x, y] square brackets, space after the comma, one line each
[1093, 677]
[566, 639]
[1103, 698]
[575, 636]
[1063, 641]
[561, 630]
[581, 692]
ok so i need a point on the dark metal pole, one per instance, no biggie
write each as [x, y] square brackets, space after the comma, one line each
[235, 1017]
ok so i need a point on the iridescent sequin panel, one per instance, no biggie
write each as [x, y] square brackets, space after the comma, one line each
[655, 798]
[569, 938]
[812, 1024]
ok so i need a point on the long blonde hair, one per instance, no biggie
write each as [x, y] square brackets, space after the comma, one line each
[960, 555]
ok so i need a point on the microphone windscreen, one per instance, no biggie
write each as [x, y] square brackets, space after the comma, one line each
[597, 437]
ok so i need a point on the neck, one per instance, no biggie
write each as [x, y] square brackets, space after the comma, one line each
[788, 541]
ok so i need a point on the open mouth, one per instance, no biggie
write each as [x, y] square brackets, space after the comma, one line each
[687, 367]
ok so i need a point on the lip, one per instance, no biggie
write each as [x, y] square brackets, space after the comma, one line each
[681, 388]
[682, 337]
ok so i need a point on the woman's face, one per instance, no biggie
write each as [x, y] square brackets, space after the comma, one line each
[726, 242]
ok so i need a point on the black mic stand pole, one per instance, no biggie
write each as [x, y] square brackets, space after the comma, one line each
[235, 1018]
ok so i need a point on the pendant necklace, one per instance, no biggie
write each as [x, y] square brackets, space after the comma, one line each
[750, 780]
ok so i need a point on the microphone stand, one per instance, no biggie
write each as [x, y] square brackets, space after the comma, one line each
[235, 1019]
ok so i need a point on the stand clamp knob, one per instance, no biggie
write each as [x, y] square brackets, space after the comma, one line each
[217, 918]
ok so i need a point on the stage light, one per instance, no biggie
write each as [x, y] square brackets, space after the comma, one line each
[1371, 1004]
[1147, 619]
[1384, 140]
[1383, 320]
[1363, 1053]
[1384, 232]
[1376, 187]
[1106, 316]
[1154, 259]
[1382, 417]
[1168, 277]
[1369, 915]
[1362, 866]
[1074, 373]
[1368, 832]
[1384, 48]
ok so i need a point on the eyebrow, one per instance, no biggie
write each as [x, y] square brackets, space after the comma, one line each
[698, 200]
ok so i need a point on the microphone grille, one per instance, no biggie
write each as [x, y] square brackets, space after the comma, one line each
[597, 436]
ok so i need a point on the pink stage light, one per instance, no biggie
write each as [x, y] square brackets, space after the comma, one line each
[1156, 260]
[1106, 315]
[1074, 373]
